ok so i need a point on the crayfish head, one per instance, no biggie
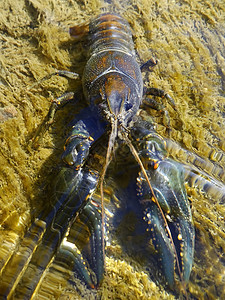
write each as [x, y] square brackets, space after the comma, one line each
[121, 99]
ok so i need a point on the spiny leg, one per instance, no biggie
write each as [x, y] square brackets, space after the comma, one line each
[159, 93]
[62, 73]
[56, 103]
[147, 66]
[152, 103]
[48, 120]
[155, 91]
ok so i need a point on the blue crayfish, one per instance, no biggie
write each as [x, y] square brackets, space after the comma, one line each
[113, 87]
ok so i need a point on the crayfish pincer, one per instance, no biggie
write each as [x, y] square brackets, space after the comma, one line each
[113, 88]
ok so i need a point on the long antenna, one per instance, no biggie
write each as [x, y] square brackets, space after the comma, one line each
[111, 144]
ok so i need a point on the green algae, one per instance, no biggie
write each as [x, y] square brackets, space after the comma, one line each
[188, 39]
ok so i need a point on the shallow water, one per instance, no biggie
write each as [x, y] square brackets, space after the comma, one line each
[187, 38]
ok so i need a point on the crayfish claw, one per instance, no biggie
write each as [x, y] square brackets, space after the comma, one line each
[83, 248]
[93, 213]
[161, 242]
[168, 217]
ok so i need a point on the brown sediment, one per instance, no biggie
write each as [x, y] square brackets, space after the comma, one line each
[188, 39]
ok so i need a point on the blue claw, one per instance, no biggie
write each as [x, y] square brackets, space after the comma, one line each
[175, 250]
[166, 210]
[72, 189]
[86, 258]
[92, 215]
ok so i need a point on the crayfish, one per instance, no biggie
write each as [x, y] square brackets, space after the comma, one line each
[113, 88]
